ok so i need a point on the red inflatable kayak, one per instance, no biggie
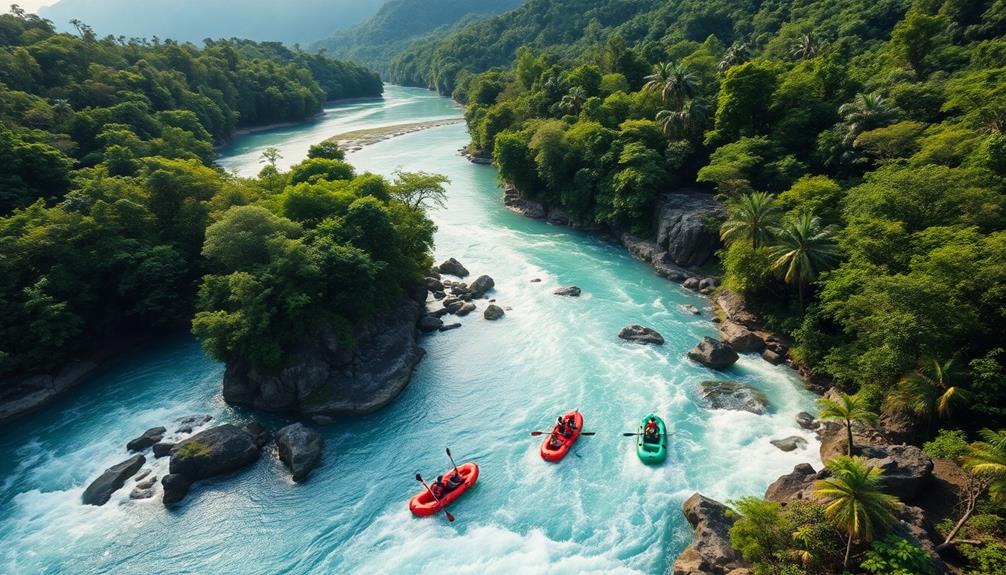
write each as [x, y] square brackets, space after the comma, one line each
[549, 453]
[423, 504]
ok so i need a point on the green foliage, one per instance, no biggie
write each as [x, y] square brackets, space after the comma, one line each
[948, 444]
[893, 555]
[793, 539]
[748, 270]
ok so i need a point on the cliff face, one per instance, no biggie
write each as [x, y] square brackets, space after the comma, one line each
[328, 377]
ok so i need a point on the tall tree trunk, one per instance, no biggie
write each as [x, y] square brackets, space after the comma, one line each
[800, 290]
[848, 436]
[848, 548]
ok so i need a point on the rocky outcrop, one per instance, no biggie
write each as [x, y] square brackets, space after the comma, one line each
[327, 376]
[569, 291]
[795, 486]
[26, 394]
[481, 285]
[709, 552]
[640, 334]
[162, 449]
[101, 489]
[907, 470]
[493, 312]
[733, 395]
[740, 338]
[300, 449]
[213, 452]
[144, 489]
[453, 267]
[713, 353]
[149, 437]
[176, 487]
[912, 525]
[687, 225]
[189, 422]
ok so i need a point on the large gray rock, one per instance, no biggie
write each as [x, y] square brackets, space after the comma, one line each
[101, 489]
[213, 452]
[465, 309]
[493, 312]
[454, 268]
[795, 486]
[481, 285]
[570, 291]
[709, 552]
[429, 323]
[176, 487]
[907, 470]
[791, 443]
[300, 449]
[740, 338]
[640, 334]
[688, 226]
[328, 376]
[733, 395]
[149, 437]
[713, 353]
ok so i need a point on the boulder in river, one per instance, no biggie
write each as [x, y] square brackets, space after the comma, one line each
[570, 291]
[163, 448]
[481, 285]
[493, 312]
[740, 338]
[216, 451]
[691, 309]
[806, 421]
[260, 433]
[176, 487]
[465, 309]
[300, 449]
[149, 437]
[733, 395]
[429, 323]
[454, 268]
[450, 326]
[640, 334]
[709, 552]
[101, 489]
[791, 443]
[713, 353]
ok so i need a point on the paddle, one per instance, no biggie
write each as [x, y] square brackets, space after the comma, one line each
[537, 433]
[419, 478]
[456, 472]
[630, 434]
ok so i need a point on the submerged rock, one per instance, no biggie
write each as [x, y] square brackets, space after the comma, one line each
[176, 487]
[734, 396]
[713, 353]
[149, 437]
[791, 443]
[101, 489]
[709, 552]
[454, 268]
[691, 309]
[640, 334]
[493, 312]
[300, 449]
[450, 326]
[429, 323]
[570, 291]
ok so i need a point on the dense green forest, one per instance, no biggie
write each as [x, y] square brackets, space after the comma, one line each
[107, 184]
[859, 149]
[400, 23]
[195, 20]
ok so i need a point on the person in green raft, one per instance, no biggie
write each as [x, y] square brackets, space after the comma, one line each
[651, 442]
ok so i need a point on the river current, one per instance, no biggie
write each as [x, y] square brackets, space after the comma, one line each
[480, 390]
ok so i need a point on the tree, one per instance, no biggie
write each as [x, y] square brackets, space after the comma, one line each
[270, 156]
[805, 47]
[420, 190]
[574, 100]
[745, 99]
[865, 112]
[674, 82]
[751, 217]
[239, 241]
[328, 150]
[929, 390]
[804, 250]
[847, 409]
[987, 458]
[854, 500]
[736, 54]
[687, 120]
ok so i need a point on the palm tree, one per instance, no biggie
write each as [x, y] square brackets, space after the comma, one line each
[574, 99]
[736, 54]
[687, 120]
[929, 390]
[806, 46]
[751, 217]
[804, 249]
[987, 458]
[674, 81]
[848, 409]
[854, 500]
[865, 112]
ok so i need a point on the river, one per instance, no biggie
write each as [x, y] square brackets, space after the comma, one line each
[480, 390]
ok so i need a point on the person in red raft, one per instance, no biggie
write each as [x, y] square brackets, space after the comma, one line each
[563, 429]
[443, 486]
[651, 432]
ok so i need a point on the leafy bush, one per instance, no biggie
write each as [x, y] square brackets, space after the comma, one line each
[893, 555]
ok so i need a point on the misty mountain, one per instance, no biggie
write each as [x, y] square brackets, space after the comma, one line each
[291, 21]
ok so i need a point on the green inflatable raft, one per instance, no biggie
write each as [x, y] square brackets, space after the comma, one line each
[652, 453]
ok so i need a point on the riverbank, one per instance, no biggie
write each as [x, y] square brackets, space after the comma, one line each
[355, 140]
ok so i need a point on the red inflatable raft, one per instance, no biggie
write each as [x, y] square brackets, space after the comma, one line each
[549, 453]
[423, 504]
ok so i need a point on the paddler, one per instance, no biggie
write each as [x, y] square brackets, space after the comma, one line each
[651, 432]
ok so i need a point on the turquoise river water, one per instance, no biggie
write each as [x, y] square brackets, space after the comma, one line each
[480, 390]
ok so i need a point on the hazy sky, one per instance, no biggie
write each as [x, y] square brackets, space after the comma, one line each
[29, 5]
